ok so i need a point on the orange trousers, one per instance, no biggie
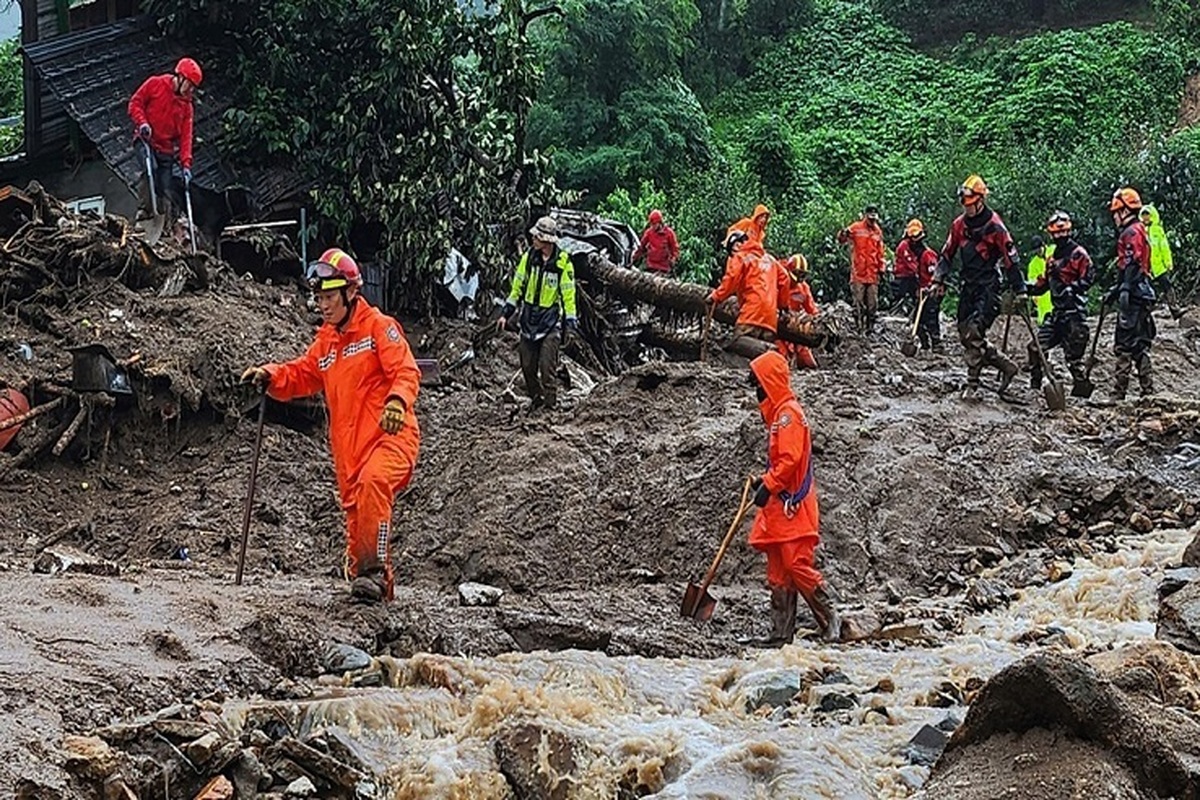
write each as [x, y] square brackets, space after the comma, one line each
[368, 503]
[790, 564]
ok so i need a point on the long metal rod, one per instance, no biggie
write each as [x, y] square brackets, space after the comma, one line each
[253, 225]
[258, 437]
[187, 195]
[150, 177]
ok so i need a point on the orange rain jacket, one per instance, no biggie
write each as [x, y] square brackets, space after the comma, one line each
[791, 512]
[866, 251]
[358, 366]
[754, 226]
[755, 278]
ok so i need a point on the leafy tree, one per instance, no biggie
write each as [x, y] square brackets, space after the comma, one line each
[12, 94]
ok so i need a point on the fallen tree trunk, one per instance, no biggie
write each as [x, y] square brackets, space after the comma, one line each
[688, 298]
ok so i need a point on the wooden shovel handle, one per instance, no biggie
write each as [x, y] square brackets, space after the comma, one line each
[737, 520]
[708, 315]
[917, 315]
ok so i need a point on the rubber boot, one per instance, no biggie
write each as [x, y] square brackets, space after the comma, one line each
[825, 614]
[1145, 377]
[369, 587]
[783, 615]
[1121, 376]
[1035, 374]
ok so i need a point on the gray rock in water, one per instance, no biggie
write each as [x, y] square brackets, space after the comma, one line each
[342, 658]
[478, 594]
[1177, 578]
[519, 751]
[301, 787]
[985, 594]
[926, 747]
[837, 701]
[775, 688]
[1179, 618]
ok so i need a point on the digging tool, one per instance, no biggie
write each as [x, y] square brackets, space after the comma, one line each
[150, 177]
[1052, 390]
[909, 348]
[708, 315]
[1004, 341]
[154, 226]
[431, 371]
[187, 196]
[258, 437]
[1085, 387]
[697, 602]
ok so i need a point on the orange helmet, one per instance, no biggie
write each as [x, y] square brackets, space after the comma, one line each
[189, 69]
[335, 269]
[1059, 224]
[797, 267]
[1126, 198]
[655, 217]
[915, 229]
[973, 190]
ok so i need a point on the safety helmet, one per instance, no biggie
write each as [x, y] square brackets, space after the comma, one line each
[797, 267]
[1059, 224]
[333, 270]
[732, 239]
[655, 217]
[915, 229]
[973, 187]
[871, 212]
[189, 69]
[1125, 198]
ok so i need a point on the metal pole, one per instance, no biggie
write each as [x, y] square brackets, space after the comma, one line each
[303, 240]
[258, 437]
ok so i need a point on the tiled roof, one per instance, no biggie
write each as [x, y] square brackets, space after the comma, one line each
[95, 71]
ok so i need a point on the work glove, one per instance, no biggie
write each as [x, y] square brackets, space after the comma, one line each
[187, 174]
[761, 493]
[938, 289]
[393, 416]
[143, 131]
[257, 376]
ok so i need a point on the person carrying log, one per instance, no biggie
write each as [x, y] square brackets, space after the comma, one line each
[751, 274]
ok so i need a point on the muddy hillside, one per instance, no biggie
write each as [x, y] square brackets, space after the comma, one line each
[122, 506]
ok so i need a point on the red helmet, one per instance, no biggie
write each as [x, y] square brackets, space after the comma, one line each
[655, 217]
[189, 69]
[1125, 198]
[333, 270]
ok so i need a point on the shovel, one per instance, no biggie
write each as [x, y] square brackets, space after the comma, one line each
[909, 348]
[1004, 343]
[1085, 387]
[187, 196]
[708, 315]
[154, 226]
[697, 602]
[1052, 390]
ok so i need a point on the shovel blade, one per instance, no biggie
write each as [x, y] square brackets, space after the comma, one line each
[909, 348]
[1056, 398]
[1083, 389]
[153, 228]
[698, 603]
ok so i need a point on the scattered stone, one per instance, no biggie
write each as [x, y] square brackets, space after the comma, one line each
[115, 788]
[248, 776]
[835, 676]
[885, 686]
[1059, 571]
[327, 770]
[775, 688]
[949, 724]
[836, 701]
[1101, 528]
[926, 747]
[219, 788]
[534, 759]
[342, 658]
[478, 594]
[89, 757]
[985, 594]
[64, 558]
[301, 787]
[1191, 556]
[1177, 578]
[945, 695]
[1179, 618]
[1140, 522]
[912, 776]
[202, 749]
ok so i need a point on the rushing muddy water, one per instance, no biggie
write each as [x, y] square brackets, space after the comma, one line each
[681, 728]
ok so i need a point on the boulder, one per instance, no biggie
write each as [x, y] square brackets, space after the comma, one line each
[478, 594]
[342, 658]
[89, 757]
[1179, 618]
[519, 752]
[774, 688]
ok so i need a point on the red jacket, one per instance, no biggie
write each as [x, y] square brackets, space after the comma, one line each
[910, 262]
[753, 275]
[358, 366]
[660, 248]
[866, 251]
[986, 248]
[168, 114]
[791, 512]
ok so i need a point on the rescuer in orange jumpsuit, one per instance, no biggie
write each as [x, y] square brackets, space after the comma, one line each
[867, 263]
[755, 225]
[786, 527]
[754, 277]
[361, 360]
[798, 300]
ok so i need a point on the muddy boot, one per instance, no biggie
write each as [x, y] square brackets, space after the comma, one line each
[1121, 377]
[824, 612]
[368, 588]
[1008, 371]
[1035, 375]
[1145, 377]
[783, 615]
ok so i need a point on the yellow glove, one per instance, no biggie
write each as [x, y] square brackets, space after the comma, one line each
[393, 416]
[256, 375]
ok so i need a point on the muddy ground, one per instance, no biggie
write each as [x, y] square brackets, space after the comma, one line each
[591, 518]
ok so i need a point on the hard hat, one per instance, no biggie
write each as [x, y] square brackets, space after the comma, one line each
[1059, 224]
[915, 229]
[333, 270]
[797, 266]
[1125, 197]
[189, 69]
[973, 187]
[732, 239]
[655, 217]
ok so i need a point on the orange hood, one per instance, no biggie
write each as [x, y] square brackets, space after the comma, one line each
[771, 369]
[759, 211]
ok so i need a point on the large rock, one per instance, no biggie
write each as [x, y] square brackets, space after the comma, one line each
[1179, 618]
[1069, 699]
[518, 752]
[774, 688]
[1191, 556]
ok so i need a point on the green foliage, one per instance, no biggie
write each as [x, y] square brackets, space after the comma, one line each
[12, 96]
[407, 114]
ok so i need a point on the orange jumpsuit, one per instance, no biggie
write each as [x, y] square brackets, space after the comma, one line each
[753, 276]
[787, 528]
[754, 226]
[360, 366]
[798, 298]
